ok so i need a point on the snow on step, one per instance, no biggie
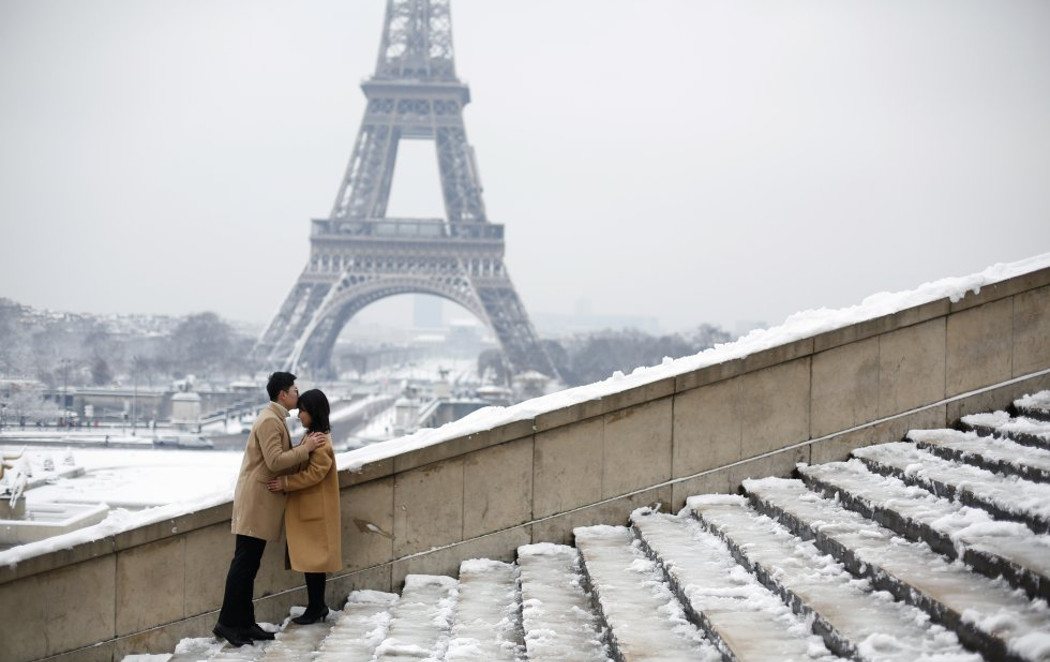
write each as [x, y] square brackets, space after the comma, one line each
[486, 625]
[560, 625]
[1023, 430]
[994, 548]
[296, 642]
[1006, 497]
[985, 613]
[645, 620]
[855, 620]
[743, 617]
[991, 453]
[421, 620]
[1036, 405]
[360, 628]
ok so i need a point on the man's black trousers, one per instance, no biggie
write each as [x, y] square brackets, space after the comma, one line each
[237, 608]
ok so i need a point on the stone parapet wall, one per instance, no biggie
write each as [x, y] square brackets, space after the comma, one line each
[484, 494]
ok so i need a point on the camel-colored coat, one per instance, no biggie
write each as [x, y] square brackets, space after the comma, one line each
[312, 516]
[257, 512]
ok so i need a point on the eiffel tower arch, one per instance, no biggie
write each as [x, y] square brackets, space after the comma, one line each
[358, 255]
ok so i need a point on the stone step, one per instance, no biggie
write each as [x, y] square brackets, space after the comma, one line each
[420, 621]
[1023, 430]
[1005, 497]
[644, 618]
[744, 619]
[559, 622]
[985, 614]
[295, 642]
[1036, 405]
[854, 620]
[487, 624]
[1006, 549]
[992, 453]
[360, 627]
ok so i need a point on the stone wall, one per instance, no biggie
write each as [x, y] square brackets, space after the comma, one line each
[485, 494]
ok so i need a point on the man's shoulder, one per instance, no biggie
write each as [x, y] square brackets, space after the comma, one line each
[267, 418]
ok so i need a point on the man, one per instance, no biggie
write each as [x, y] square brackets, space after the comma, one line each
[258, 513]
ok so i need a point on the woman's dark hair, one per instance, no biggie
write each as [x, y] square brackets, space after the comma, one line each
[279, 381]
[315, 403]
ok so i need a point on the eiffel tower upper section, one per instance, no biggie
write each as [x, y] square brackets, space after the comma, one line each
[414, 84]
[359, 255]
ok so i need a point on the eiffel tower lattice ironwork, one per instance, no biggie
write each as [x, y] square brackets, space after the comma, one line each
[359, 255]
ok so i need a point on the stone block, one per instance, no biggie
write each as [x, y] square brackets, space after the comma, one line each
[567, 468]
[708, 375]
[366, 472]
[81, 604]
[558, 529]
[638, 395]
[500, 546]
[880, 325]
[359, 506]
[838, 447]
[59, 558]
[428, 507]
[24, 598]
[141, 535]
[781, 464]
[978, 346]
[995, 398]
[911, 367]
[637, 447]
[207, 559]
[376, 578]
[157, 641]
[713, 482]
[569, 415]
[845, 387]
[706, 428]
[777, 355]
[774, 407]
[151, 580]
[275, 608]
[497, 487]
[99, 652]
[1003, 289]
[440, 451]
[1031, 331]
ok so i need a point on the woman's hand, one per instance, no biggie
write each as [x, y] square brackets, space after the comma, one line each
[274, 485]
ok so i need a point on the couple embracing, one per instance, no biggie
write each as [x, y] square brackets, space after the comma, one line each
[279, 482]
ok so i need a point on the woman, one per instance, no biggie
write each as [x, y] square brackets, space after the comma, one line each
[311, 517]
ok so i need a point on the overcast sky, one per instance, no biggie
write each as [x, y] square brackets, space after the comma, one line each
[690, 160]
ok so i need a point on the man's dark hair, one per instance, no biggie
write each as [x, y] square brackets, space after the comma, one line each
[315, 403]
[279, 381]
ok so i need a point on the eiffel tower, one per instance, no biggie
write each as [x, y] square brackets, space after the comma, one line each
[358, 255]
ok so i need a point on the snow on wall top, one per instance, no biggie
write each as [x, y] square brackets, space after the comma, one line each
[797, 326]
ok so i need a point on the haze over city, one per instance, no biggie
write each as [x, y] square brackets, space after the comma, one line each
[689, 161]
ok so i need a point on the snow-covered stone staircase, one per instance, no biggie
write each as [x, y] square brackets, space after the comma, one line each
[935, 548]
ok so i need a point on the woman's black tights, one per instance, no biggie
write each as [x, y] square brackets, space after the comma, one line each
[315, 591]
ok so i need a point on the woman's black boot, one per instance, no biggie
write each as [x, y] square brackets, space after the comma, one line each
[311, 615]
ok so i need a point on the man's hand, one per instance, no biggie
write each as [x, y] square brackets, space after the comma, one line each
[274, 485]
[313, 441]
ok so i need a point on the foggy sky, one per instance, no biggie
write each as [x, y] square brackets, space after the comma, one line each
[690, 160]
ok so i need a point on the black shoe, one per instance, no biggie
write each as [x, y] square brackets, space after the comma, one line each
[255, 631]
[236, 636]
[311, 616]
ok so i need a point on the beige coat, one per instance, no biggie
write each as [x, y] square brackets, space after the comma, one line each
[257, 512]
[312, 515]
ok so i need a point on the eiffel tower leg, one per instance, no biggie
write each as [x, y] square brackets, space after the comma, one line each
[509, 321]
